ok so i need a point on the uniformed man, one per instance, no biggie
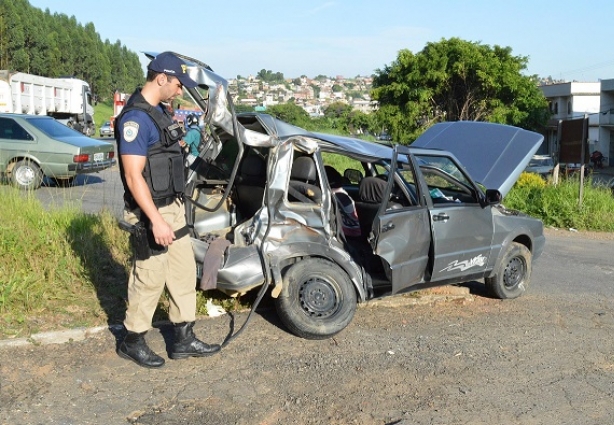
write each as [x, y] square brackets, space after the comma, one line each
[152, 171]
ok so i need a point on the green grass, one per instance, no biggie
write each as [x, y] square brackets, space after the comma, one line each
[102, 113]
[62, 268]
[559, 206]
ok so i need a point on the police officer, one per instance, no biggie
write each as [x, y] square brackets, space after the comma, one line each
[151, 166]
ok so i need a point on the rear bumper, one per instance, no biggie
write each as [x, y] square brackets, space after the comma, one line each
[91, 167]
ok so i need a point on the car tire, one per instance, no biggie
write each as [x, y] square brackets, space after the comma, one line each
[318, 299]
[26, 175]
[513, 273]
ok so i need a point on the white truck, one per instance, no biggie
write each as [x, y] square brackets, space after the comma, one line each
[68, 100]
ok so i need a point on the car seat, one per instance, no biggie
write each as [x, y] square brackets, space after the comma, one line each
[371, 194]
[303, 179]
[249, 190]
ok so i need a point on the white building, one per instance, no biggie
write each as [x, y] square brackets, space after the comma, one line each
[573, 100]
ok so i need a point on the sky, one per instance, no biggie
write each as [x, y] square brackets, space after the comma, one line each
[567, 40]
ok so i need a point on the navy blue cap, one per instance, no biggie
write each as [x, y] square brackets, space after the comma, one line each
[170, 64]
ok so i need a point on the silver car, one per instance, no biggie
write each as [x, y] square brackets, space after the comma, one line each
[106, 130]
[264, 215]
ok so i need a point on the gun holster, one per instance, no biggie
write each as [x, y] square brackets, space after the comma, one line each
[142, 240]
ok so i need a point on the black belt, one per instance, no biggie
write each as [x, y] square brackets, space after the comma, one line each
[164, 202]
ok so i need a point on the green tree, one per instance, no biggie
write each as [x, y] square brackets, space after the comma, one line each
[290, 113]
[456, 80]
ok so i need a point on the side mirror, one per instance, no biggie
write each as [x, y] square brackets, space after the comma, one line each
[354, 176]
[493, 196]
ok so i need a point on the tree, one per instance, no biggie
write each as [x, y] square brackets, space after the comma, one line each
[290, 113]
[456, 80]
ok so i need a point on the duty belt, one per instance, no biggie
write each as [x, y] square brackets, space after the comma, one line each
[164, 202]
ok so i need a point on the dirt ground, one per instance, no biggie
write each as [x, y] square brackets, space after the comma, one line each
[545, 358]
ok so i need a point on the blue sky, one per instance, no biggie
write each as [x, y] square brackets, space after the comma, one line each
[563, 39]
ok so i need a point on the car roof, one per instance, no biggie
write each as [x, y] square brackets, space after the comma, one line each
[493, 154]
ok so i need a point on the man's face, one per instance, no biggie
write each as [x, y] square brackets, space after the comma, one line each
[171, 89]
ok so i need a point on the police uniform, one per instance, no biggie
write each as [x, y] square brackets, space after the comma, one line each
[142, 134]
[147, 130]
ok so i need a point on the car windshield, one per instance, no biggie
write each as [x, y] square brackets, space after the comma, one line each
[52, 128]
[539, 162]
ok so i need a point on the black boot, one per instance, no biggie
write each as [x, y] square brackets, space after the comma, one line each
[187, 345]
[134, 348]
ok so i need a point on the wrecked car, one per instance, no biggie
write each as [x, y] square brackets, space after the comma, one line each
[430, 214]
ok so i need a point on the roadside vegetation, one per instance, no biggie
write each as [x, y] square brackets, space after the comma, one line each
[62, 268]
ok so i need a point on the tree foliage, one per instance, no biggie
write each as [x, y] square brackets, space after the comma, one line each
[53, 45]
[454, 80]
[269, 76]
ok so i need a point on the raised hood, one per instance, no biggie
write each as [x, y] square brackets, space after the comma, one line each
[493, 154]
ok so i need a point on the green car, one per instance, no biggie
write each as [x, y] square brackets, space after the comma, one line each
[33, 146]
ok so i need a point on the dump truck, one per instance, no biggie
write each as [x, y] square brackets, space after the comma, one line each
[68, 99]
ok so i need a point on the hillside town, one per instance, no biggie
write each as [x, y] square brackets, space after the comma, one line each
[312, 94]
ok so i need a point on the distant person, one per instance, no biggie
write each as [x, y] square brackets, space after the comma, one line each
[192, 139]
[152, 172]
[597, 159]
[349, 216]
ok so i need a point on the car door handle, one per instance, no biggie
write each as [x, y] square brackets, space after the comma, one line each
[441, 217]
[388, 226]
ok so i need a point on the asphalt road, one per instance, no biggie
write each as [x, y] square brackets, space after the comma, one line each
[91, 192]
[546, 358]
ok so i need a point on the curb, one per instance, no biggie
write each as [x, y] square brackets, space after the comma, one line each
[423, 297]
[54, 337]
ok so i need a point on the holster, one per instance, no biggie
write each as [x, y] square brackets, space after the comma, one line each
[142, 240]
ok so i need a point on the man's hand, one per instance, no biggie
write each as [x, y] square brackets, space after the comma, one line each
[163, 232]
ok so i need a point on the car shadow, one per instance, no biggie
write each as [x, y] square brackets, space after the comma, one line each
[477, 288]
[108, 276]
[79, 180]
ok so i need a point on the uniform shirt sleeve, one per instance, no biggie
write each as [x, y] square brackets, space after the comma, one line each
[137, 132]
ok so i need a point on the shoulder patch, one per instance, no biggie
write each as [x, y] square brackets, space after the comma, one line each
[131, 130]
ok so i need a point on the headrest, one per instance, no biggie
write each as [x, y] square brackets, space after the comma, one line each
[304, 170]
[253, 169]
[334, 177]
[372, 190]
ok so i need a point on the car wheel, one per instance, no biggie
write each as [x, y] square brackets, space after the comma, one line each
[26, 175]
[318, 299]
[513, 273]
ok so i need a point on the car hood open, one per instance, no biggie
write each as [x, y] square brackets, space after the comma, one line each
[493, 154]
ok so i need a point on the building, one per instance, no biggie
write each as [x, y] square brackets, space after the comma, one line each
[574, 100]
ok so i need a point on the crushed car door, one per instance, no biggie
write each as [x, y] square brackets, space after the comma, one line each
[401, 234]
[462, 227]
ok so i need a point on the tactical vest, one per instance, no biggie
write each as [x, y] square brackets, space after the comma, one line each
[164, 169]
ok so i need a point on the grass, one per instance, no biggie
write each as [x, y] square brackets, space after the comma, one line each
[62, 268]
[102, 113]
[559, 206]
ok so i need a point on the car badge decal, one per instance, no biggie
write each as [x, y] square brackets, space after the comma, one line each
[480, 260]
[131, 130]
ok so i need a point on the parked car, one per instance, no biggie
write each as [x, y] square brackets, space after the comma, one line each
[541, 164]
[33, 146]
[260, 185]
[106, 130]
